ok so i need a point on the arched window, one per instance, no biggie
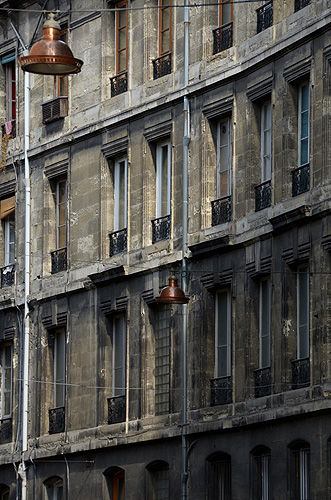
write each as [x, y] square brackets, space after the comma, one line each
[219, 476]
[300, 470]
[261, 473]
[158, 484]
[54, 488]
[4, 492]
[115, 477]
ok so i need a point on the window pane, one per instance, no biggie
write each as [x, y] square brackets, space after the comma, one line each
[222, 368]
[162, 362]
[59, 368]
[265, 324]
[226, 13]
[303, 313]
[165, 42]
[119, 355]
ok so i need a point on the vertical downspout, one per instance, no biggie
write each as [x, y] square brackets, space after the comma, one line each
[186, 141]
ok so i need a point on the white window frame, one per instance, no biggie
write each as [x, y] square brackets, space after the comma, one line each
[227, 168]
[9, 239]
[56, 487]
[117, 193]
[10, 78]
[119, 361]
[304, 473]
[159, 149]
[264, 317]
[263, 464]
[59, 368]
[266, 140]
[226, 371]
[303, 312]
[4, 390]
[58, 204]
[301, 113]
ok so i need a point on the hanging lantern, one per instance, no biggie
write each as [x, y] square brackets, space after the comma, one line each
[50, 56]
[172, 294]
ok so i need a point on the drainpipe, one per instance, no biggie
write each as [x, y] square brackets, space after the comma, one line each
[186, 141]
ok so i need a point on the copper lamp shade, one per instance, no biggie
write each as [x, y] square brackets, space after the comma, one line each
[172, 294]
[50, 56]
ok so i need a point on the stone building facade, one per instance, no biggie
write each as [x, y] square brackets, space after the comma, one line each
[106, 164]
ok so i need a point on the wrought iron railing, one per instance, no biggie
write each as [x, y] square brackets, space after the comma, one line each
[300, 180]
[7, 275]
[13, 129]
[118, 242]
[300, 4]
[221, 211]
[263, 196]
[56, 420]
[162, 66]
[116, 409]
[6, 431]
[59, 260]
[161, 228]
[265, 16]
[119, 84]
[223, 37]
[221, 391]
[300, 373]
[262, 378]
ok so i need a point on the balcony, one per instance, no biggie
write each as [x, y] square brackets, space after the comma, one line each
[221, 391]
[6, 431]
[300, 180]
[116, 409]
[118, 242]
[59, 260]
[162, 66]
[223, 37]
[9, 129]
[265, 16]
[55, 109]
[7, 275]
[300, 4]
[300, 373]
[119, 84]
[262, 196]
[56, 420]
[221, 210]
[161, 228]
[262, 378]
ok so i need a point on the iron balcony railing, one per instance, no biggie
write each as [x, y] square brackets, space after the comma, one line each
[6, 431]
[265, 16]
[119, 84]
[262, 378]
[300, 4]
[161, 228]
[118, 242]
[162, 66]
[300, 180]
[223, 37]
[7, 275]
[221, 210]
[56, 420]
[300, 373]
[220, 391]
[59, 260]
[263, 196]
[116, 409]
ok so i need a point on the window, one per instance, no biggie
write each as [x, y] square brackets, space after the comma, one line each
[219, 477]
[7, 210]
[115, 477]
[265, 308]
[221, 208]
[161, 225]
[119, 82]
[300, 470]
[118, 239]
[223, 335]
[265, 15]
[263, 190]
[59, 256]
[4, 493]
[159, 476]
[223, 35]
[162, 65]
[303, 312]
[6, 380]
[261, 473]
[162, 361]
[61, 82]
[59, 368]
[300, 4]
[9, 66]
[54, 489]
[303, 125]
[119, 354]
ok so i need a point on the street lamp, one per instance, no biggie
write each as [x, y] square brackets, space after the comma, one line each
[172, 294]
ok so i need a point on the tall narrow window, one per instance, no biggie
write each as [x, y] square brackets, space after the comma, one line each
[61, 82]
[161, 225]
[265, 307]
[263, 190]
[165, 26]
[119, 348]
[300, 471]
[221, 208]
[219, 475]
[261, 478]
[162, 362]
[120, 194]
[118, 486]
[223, 335]
[223, 35]
[303, 312]
[4, 494]
[59, 368]
[54, 489]
[303, 125]
[6, 380]
[7, 209]
[59, 256]
[8, 63]
[159, 488]
[225, 12]
[119, 83]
